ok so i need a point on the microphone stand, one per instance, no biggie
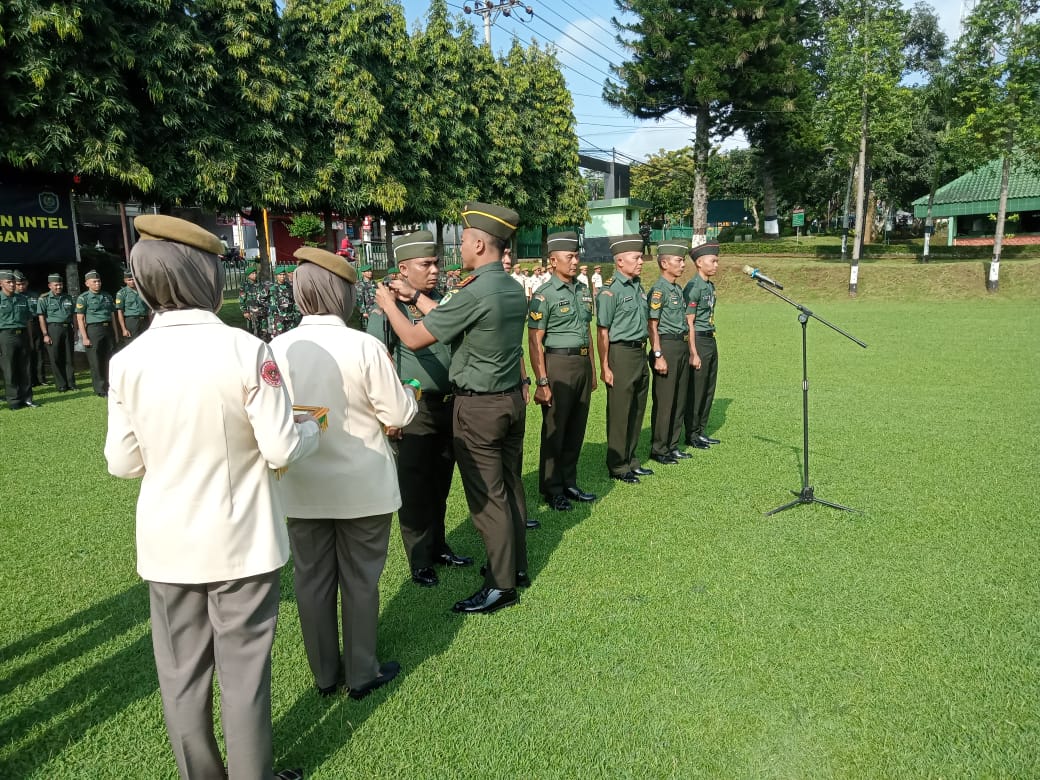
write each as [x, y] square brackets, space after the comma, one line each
[806, 494]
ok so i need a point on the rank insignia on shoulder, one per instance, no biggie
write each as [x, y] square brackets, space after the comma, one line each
[608, 293]
[536, 315]
[656, 295]
[655, 305]
[539, 297]
[464, 282]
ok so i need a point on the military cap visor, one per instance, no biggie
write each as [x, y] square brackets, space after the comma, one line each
[180, 231]
[672, 248]
[92, 275]
[629, 243]
[711, 248]
[330, 261]
[497, 221]
[563, 242]
[54, 278]
[415, 245]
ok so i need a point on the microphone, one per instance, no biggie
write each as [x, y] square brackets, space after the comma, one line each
[754, 273]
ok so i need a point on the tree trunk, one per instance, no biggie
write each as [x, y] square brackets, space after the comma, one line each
[330, 234]
[438, 226]
[701, 147]
[772, 225]
[870, 218]
[860, 194]
[993, 282]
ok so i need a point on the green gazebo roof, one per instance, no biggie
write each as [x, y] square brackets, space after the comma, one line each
[978, 192]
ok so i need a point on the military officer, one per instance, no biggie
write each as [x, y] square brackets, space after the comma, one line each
[483, 319]
[132, 313]
[96, 320]
[280, 303]
[425, 452]
[704, 356]
[670, 353]
[559, 337]
[621, 318]
[55, 313]
[366, 294]
[37, 366]
[14, 343]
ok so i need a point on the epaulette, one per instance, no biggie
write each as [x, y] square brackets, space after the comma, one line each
[464, 282]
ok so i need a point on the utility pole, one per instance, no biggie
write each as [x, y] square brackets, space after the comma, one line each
[491, 10]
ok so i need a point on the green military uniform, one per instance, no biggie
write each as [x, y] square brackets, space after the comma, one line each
[97, 309]
[14, 345]
[425, 452]
[483, 320]
[135, 310]
[281, 306]
[666, 304]
[252, 300]
[563, 310]
[621, 310]
[37, 365]
[57, 313]
[700, 304]
[366, 295]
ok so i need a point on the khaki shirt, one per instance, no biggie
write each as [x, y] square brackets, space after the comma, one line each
[668, 306]
[483, 320]
[621, 308]
[563, 311]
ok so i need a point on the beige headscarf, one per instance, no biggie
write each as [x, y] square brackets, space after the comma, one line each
[318, 291]
[172, 276]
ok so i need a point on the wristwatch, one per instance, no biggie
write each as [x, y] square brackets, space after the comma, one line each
[658, 353]
[526, 381]
[543, 381]
[415, 299]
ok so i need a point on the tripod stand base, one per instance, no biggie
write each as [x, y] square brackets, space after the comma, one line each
[806, 496]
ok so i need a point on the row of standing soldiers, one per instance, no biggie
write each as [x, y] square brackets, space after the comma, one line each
[32, 326]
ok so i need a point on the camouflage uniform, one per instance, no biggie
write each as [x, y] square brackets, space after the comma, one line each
[283, 315]
[252, 299]
[366, 299]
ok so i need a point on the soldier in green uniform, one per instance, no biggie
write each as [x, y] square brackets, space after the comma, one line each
[559, 337]
[483, 320]
[621, 335]
[132, 313]
[96, 319]
[249, 302]
[37, 365]
[14, 343]
[425, 452]
[704, 356]
[55, 312]
[670, 353]
[281, 305]
[366, 294]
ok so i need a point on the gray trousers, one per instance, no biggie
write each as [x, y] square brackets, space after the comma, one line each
[228, 626]
[348, 556]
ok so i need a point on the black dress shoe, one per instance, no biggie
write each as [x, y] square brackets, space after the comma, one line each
[628, 477]
[680, 455]
[387, 672]
[451, 559]
[664, 460]
[102, 395]
[522, 580]
[560, 503]
[487, 600]
[289, 774]
[426, 577]
[531, 523]
[698, 444]
[641, 472]
[327, 692]
[708, 439]
[577, 494]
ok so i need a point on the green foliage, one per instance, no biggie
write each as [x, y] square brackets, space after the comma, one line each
[666, 181]
[308, 227]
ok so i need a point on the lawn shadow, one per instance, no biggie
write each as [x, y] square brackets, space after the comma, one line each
[77, 704]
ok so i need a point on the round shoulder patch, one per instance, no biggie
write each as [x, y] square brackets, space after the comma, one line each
[269, 373]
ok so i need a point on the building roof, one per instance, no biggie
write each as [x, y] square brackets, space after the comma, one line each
[978, 192]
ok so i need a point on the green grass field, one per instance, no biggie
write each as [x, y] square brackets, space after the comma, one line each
[671, 629]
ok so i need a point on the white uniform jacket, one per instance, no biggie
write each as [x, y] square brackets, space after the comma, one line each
[199, 410]
[354, 473]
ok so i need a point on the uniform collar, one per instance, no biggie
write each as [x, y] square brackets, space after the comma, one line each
[322, 319]
[489, 268]
[166, 319]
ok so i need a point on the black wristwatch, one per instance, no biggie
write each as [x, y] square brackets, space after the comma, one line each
[415, 299]
[658, 353]
[526, 381]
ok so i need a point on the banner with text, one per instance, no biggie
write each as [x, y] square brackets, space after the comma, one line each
[35, 225]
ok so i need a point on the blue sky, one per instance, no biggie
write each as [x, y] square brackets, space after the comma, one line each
[584, 37]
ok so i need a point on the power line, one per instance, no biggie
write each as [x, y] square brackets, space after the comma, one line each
[580, 43]
[590, 19]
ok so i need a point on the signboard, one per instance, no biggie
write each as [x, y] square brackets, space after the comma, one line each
[36, 225]
[798, 218]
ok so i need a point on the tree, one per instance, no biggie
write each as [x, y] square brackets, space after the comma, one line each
[666, 181]
[997, 67]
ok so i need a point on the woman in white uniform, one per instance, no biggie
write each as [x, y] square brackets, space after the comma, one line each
[341, 500]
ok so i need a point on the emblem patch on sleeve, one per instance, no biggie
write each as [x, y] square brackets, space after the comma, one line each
[269, 373]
